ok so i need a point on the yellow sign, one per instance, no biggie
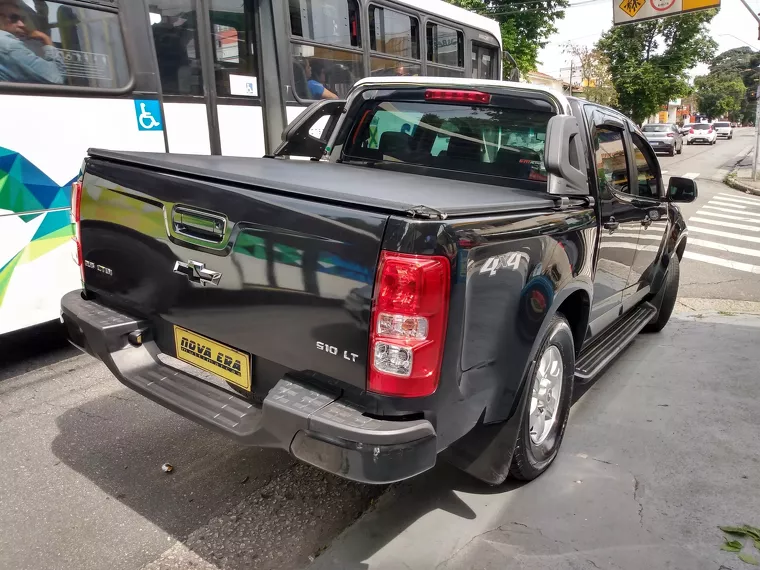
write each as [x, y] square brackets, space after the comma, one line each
[663, 116]
[629, 11]
[211, 356]
[631, 7]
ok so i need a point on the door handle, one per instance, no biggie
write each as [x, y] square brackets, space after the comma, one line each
[647, 221]
[611, 224]
[199, 225]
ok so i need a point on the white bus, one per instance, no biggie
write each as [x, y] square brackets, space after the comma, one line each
[185, 76]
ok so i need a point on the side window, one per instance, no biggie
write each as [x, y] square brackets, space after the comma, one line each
[397, 36]
[611, 162]
[445, 46]
[177, 52]
[57, 44]
[329, 70]
[648, 180]
[483, 62]
[234, 60]
[334, 22]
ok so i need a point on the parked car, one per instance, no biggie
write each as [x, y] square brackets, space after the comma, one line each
[232, 290]
[685, 129]
[664, 137]
[723, 129]
[701, 133]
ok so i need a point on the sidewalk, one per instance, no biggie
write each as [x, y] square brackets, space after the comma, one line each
[740, 178]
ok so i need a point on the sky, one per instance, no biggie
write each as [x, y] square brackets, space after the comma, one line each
[732, 27]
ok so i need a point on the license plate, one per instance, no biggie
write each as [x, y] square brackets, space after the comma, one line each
[211, 356]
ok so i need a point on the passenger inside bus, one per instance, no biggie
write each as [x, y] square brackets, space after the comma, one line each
[316, 72]
[18, 63]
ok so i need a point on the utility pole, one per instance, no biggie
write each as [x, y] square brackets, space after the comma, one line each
[757, 132]
[757, 95]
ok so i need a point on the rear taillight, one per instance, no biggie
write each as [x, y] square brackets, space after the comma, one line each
[691, 131]
[670, 135]
[409, 315]
[457, 96]
[76, 217]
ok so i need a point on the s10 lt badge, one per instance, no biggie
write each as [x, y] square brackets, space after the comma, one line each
[99, 268]
[350, 356]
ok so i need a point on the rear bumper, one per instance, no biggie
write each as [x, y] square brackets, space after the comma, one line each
[315, 426]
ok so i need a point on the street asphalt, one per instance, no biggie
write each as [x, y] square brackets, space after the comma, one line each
[659, 451]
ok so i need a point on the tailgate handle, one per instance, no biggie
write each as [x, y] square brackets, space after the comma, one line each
[199, 225]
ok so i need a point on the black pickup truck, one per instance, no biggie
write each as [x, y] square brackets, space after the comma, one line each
[447, 261]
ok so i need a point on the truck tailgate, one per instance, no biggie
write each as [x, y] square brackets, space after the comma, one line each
[283, 280]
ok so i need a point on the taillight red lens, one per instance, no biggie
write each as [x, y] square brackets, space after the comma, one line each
[76, 217]
[691, 131]
[409, 315]
[670, 135]
[457, 96]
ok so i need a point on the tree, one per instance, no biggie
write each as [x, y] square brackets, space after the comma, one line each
[719, 94]
[743, 61]
[595, 74]
[649, 60]
[525, 27]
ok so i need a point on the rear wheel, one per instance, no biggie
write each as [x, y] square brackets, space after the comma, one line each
[665, 299]
[545, 417]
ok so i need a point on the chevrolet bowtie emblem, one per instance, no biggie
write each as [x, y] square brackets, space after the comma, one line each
[197, 273]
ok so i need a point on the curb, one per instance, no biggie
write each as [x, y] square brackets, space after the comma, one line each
[731, 180]
[734, 183]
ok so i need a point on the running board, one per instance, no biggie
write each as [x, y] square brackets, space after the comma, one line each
[611, 342]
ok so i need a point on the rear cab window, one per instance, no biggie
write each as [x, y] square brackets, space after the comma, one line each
[502, 140]
[661, 128]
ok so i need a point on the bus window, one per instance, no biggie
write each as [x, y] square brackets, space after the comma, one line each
[394, 33]
[483, 62]
[235, 64]
[176, 39]
[445, 46]
[331, 68]
[334, 22]
[57, 44]
[320, 70]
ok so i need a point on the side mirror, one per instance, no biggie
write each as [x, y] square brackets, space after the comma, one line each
[682, 189]
[564, 157]
[308, 134]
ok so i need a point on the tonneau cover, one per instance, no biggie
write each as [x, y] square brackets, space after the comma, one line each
[394, 192]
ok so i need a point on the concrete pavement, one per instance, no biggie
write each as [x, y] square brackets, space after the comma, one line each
[659, 451]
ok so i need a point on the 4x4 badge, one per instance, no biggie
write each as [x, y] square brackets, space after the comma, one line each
[196, 272]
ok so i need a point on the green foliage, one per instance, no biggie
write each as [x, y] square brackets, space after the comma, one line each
[525, 28]
[743, 61]
[719, 94]
[649, 60]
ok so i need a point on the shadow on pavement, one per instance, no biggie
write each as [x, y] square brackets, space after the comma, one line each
[270, 512]
[33, 348]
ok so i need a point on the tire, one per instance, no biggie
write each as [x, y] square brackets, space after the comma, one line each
[672, 152]
[665, 299]
[533, 455]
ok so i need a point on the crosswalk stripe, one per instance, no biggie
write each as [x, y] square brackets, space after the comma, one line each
[639, 236]
[691, 175]
[737, 200]
[722, 203]
[755, 214]
[726, 224]
[726, 216]
[729, 235]
[724, 247]
[738, 265]
[748, 199]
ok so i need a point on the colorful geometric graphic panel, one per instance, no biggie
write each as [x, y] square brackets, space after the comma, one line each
[36, 265]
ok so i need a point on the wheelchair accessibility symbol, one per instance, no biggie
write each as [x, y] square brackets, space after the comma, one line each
[148, 114]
